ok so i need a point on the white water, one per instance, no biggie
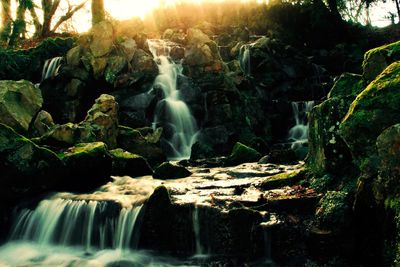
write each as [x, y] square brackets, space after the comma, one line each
[62, 232]
[196, 227]
[298, 134]
[244, 58]
[172, 111]
[51, 67]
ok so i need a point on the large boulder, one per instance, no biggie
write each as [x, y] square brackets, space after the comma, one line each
[168, 171]
[89, 166]
[19, 103]
[375, 109]
[26, 169]
[377, 59]
[126, 163]
[43, 123]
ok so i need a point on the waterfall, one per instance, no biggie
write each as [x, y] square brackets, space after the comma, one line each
[196, 228]
[298, 134]
[51, 67]
[76, 223]
[171, 112]
[244, 58]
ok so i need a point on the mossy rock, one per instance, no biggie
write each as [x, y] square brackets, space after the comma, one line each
[283, 179]
[19, 103]
[327, 150]
[126, 163]
[242, 154]
[168, 171]
[348, 84]
[334, 210]
[26, 169]
[89, 166]
[386, 185]
[377, 59]
[374, 110]
[133, 141]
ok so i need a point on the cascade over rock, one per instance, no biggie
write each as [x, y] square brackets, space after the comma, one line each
[19, 103]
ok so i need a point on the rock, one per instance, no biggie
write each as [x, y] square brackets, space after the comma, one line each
[126, 163]
[386, 186]
[98, 65]
[129, 47]
[279, 156]
[327, 150]
[167, 171]
[114, 67]
[26, 169]
[43, 123]
[282, 179]
[144, 64]
[374, 110]
[377, 59]
[103, 119]
[334, 210]
[132, 140]
[242, 154]
[74, 56]
[102, 39]
[196, 37]
[89, 166]
[19, 103]
[346, 85]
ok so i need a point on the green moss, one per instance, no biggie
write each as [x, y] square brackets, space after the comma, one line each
[283, 179]
[84, 149]
[347, 84]
[333, 209]
[120, 153]
[242, 154]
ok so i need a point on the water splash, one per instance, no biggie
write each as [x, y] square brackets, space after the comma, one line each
[298, 134]
[51, 67]
[171, 112]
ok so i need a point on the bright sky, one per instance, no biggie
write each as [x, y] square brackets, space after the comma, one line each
[125, 9]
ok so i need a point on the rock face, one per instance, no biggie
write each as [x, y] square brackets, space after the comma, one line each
[89, 166]
[375, 109]
[26, 169]
[126, 163]
[168, 171]
[19, 103]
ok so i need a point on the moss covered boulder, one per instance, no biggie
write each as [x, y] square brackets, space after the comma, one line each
[168, 171]
[374, 110]
[327, 150]
[145, 145]
[377, 59]
[26, 169]
[242, 154]
[347, 84]
[19, 103]
[126, 163]
[89, 166]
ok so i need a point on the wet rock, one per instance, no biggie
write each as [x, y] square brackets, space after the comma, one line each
[114, 67]
[89, 166]
[279, 156]
[19, 103]
[26, 169]
[334, 210]
[282, 179]
[129, 47]
[168, 171]
[126, 163]
[43, 123]
[377, 59]
[143, 64]
[74, 56]
[242, 154]
[197, 37]
[133, 141]
[375, 109]
[102, 38]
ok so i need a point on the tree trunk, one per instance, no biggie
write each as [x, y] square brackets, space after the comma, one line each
[19, 27]
[398, 8]
[6, 20]
[333, 7]
[98, 13]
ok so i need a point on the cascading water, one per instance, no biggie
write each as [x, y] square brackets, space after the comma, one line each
[171, 112]
[51, 67]
[244, 58]
[196, 228]
[61, 232]
[298, 134]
